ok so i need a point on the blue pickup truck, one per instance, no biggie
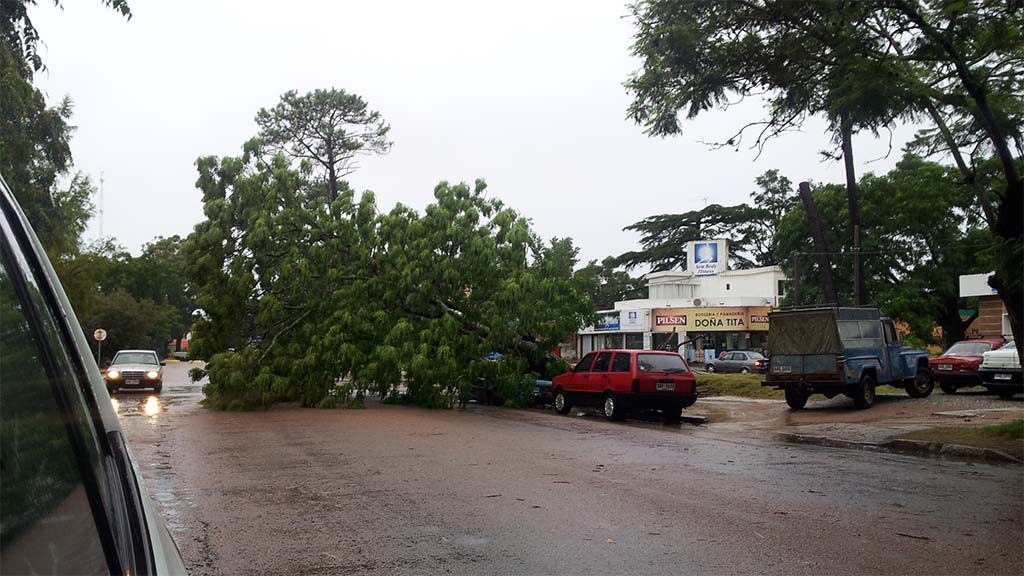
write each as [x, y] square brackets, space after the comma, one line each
[836, 350]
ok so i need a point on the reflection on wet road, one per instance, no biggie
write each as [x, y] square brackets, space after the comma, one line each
[127, 405]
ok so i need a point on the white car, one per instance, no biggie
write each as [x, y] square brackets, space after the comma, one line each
[135, 369]
[1000, 371]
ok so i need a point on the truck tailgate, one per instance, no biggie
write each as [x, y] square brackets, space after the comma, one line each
[784, 366]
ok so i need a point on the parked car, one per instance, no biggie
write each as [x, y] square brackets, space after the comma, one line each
[1000, 371]
[739, 361]
[832, 351]
[181, 355]
[486, 392]
[72, 500]
[958, 366]
[135, 369]
[621, 381]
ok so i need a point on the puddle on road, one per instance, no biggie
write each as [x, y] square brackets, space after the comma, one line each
[128, 405]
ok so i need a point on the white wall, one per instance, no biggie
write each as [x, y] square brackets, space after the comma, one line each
[732, 288]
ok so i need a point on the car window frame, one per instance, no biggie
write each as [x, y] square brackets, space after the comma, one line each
[629, 363]
[600, 355]
[592, 356]
[110, 483]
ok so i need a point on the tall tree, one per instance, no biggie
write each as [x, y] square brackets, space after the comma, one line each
[839, 59]
[35, 152]
[294, 300]
[327, 128]
[608, 283]
[750, 229]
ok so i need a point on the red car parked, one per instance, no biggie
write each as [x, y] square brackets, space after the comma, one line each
[618, 381]
[958, 366]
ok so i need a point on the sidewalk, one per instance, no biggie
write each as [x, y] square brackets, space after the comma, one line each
[883, 439]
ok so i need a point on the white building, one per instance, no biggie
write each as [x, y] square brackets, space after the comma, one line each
[701, 310]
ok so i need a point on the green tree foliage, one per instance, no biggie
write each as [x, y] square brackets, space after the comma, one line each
[607, 283]
[303, 301]
[862, 65]
[922, 229]
[327, 129]
[141, 301]
[35, 152]
[750, 229]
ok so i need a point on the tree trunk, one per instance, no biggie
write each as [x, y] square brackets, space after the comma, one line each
[953, 327]
[859, 297]
[820, 248]
[332, 179]
[1009, 226]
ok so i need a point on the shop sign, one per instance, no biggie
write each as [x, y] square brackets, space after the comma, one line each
[719, 319]
[758, 318]
[669, 319]
[725, 319]
[635, 320]
[607, 323]
[705, 258]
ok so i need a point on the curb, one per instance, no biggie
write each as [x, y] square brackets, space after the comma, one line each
[909, 447]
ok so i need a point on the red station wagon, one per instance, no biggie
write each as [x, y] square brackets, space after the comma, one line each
[618, 381]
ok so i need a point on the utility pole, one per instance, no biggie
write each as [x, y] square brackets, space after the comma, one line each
[846, 127]
[796, 278]
[101, 206]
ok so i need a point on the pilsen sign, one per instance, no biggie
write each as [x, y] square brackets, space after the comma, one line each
[728, 319]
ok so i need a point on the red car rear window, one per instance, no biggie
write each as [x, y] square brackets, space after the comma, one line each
[660, 363]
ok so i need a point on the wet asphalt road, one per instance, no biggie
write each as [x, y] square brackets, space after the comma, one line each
[398, 490]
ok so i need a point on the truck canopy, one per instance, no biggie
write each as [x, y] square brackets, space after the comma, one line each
[804, 332]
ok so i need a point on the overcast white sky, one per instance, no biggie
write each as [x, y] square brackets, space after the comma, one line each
[527, 95]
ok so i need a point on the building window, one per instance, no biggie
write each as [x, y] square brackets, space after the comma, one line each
[782, 287]
[634, 341]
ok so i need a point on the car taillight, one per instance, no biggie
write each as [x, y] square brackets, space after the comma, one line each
[636, 385]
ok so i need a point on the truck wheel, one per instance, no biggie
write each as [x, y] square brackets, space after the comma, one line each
[921, 386]
[796, 397]
[1004, 393]
[948, 388]
[562, 405]
[864, 395]
[611, 408]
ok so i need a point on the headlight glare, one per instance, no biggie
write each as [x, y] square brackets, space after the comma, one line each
[153, 374]
[113, 374]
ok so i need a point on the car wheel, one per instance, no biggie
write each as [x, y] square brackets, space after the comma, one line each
[796, 397]
[672, 413]
[561, 403]
[710, 368]
[948, 388]
[111, 390]
[159, 386]
[745, 370]
[864, 394]
[921, 386]
[612, 410]
[1003, 393]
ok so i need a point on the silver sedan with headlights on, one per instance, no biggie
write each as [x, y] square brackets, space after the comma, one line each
[135, 369]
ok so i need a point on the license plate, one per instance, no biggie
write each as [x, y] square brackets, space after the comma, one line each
[666, 386]
[1002, 376]
[782, 369]
[945, 366]
[131, 382]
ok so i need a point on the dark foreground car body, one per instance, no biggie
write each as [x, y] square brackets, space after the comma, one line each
[958, 366]
[70, 499]
[623, 381]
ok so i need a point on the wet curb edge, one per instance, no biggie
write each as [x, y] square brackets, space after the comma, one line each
[909, 447]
